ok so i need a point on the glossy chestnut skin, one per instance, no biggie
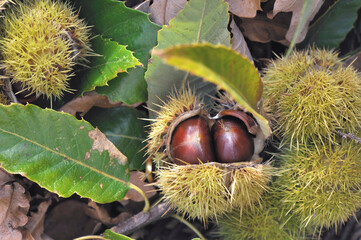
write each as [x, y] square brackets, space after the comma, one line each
[232, 141]
[191, 142]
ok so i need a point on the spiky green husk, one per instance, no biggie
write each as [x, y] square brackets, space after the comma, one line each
[322, 184]
[3, 3]
[206, 190]
[209, 190]
[195, 190]
[248, 184]
[42, 42]
[264, 221]
[311, 95]
[178, 103]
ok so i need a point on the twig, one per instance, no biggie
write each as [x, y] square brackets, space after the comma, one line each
[142, 219]
[349, 135]
[9, 91]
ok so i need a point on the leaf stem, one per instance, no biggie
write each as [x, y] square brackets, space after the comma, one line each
[146, 200]
[305, 13]
[188, 224]
[90, 237]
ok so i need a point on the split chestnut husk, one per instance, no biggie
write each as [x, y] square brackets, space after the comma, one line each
[206, 166]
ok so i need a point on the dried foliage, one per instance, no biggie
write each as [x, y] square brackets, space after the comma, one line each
[162, 11]
[277, 24]
[35, 225]
[84, 103]
[14, 206]
[295, 6]
[244, 8]
[138, 179]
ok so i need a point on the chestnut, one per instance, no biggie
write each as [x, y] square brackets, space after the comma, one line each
[244, 117]
[192, 142]
[232, 141]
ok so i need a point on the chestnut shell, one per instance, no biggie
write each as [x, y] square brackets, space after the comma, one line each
[191, 142]
[232, 141]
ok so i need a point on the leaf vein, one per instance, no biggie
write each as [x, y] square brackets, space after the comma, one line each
[79, 162]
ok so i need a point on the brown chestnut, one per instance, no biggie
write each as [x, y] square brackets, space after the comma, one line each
[191, 142]
[232, 141]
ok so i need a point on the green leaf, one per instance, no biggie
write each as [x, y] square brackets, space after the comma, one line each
[124, 129]
[112, 19]
[59, 152]
[199, 21]
[332, 27]
[226, 68]
[113, 59]
[109, 234]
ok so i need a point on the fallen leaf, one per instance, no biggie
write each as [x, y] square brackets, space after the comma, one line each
[262, 29]
[102, 143]
[84, 103]
[68, 220]
[162, 11]
[101, 214]
[143, 7]
[137, 178]
[238, 42]
[295, 6]
[5, 177]
[14, 206]
[244, 8]
[35, 225]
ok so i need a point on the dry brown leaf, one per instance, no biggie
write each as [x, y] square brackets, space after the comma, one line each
[295, 6]
[5, 177]
[244, 8]
[143, 7]
[162, 11]
[102, 143]
[27, 235]
[238, 42]
[14, 205]
[262, 29]
[68, 220]
[101, 214]
[90, 99]
[137, 178]
[35, 225]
